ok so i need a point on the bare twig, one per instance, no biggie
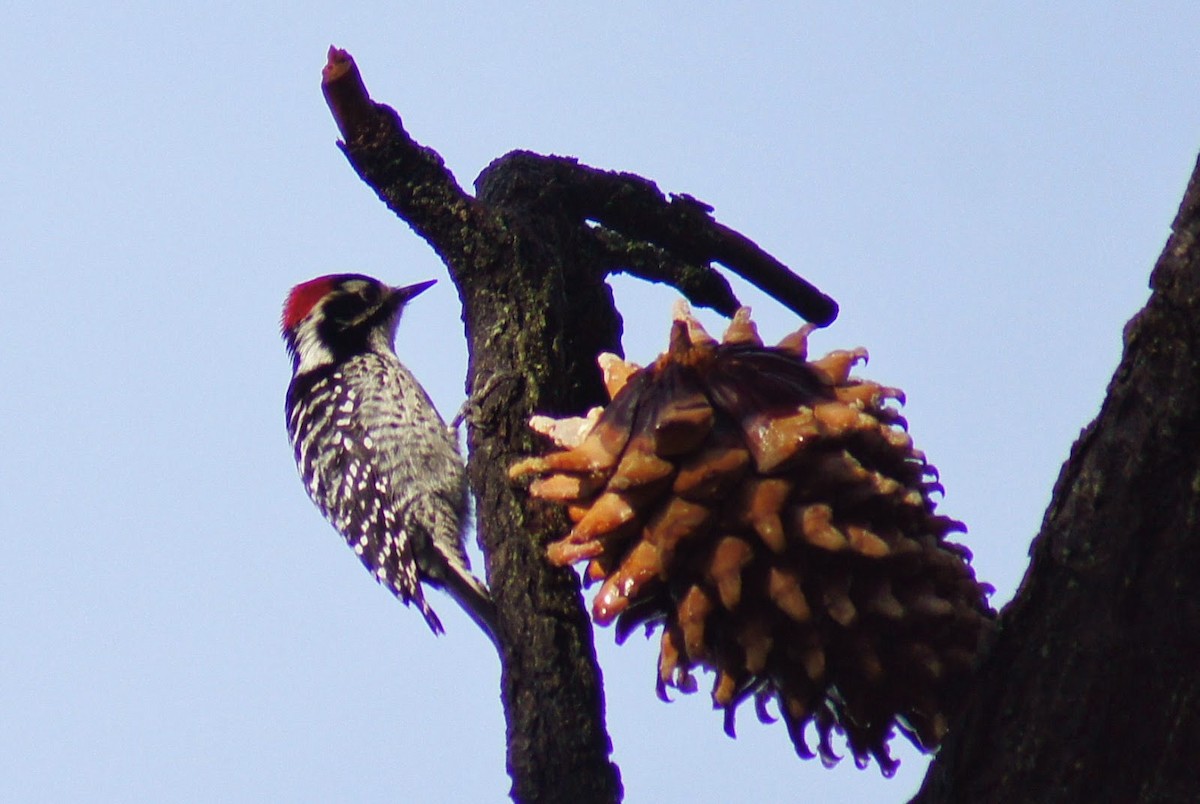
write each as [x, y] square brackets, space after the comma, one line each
[346, 95]
[680, 224]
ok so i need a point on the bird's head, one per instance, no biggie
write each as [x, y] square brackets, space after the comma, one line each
[332, 317]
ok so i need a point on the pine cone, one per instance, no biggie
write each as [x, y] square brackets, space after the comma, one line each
[772, 515]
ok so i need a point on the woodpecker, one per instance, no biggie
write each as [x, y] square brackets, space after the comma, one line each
[373, 453]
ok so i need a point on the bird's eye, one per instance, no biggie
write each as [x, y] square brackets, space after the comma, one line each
[344, 308]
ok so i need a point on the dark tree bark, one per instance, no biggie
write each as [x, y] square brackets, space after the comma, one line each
[529, 255]
[1092, 688]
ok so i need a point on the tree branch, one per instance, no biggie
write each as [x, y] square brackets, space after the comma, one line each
[699, 284]
[1090, 692]
[682, 225]
[412, 180]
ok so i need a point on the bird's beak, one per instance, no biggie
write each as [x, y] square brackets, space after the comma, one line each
[406, 293]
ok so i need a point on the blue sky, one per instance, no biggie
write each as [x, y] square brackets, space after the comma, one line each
[984, 191]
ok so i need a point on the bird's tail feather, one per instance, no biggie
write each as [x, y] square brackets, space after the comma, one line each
[473, 596]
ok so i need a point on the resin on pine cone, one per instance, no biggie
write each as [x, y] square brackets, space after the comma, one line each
[772, 516]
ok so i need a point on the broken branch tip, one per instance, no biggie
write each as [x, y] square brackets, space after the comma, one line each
[338, 63]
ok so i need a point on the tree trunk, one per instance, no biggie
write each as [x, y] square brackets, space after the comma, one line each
[1091, 691]
[530, 254]
[526, 338]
